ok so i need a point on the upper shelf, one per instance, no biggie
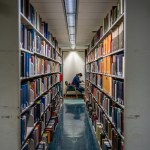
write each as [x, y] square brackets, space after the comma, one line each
[27, 22]
[120, 19]
[40, 55]
[112, 53]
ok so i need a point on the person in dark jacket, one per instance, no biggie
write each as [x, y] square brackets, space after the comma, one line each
[76, 81]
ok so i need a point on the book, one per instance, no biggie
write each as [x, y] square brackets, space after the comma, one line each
[115, 39]
[121, 35]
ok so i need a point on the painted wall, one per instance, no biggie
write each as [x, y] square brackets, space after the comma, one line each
[73, 63]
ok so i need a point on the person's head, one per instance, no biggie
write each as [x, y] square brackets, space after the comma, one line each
[66, 83]
[79, 75]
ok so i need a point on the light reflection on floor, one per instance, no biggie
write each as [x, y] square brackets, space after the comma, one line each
[74, 131]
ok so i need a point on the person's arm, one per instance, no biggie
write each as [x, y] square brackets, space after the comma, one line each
[78, 80]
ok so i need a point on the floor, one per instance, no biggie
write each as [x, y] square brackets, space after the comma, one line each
[74, 131]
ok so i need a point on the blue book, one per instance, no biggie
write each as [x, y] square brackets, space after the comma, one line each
[23, 128]
[43, 101]
[27, 94]
[23, 36]
[119, 61]
[26, 65]
[45, 29]
[32, 39]
[24, 94]
[22, 97]
[31, 14]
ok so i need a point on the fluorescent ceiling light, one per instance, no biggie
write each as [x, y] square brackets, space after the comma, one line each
[72, 42]
[71, 30]
[71, 19]
[70, 6]
[72, 37]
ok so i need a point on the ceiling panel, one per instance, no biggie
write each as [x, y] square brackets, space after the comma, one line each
[52, 15]
[49, 7]
[90, 16]
[46, 1]
[57, 27]
[94, 7]
[55, 22]
[97, 1]
[87, 22]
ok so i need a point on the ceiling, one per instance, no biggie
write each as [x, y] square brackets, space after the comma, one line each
[90, 14]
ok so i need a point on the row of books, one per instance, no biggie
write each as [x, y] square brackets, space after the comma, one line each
[43, 48]
[111, 65]
[27, 65]
[108, 21]
[102, 138]
[58, 50]
[114, 65]
[33, 65]
[45, 66]
[32, 15]
[34, 43]
[106, 135]
[32, 117]
[55, 91]
[43, 133]
[27, 38]
[111, 43]
[97, 37]
[109, 107]
[113, 15]
[118, 91]
[112, 87]
[95, 79]
[32, 89]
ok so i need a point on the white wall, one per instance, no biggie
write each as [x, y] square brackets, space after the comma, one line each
[73, 63]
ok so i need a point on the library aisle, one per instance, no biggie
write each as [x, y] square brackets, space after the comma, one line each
[74, 130]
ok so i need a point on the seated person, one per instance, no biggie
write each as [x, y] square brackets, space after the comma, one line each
[76, 81]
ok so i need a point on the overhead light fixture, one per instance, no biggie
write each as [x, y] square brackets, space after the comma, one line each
[70, 6]
[71, 19]
[72, 37]
[72, 42]
[70, 9]
[71, 30]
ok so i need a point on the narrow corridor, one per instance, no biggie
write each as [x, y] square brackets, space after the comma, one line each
[74, 130]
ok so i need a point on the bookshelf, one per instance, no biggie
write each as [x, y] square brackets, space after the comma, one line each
[31, 83]
[134, 110]
[39, 49]
[105, 80]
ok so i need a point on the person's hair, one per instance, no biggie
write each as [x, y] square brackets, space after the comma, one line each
[66, 82]
[79, 74]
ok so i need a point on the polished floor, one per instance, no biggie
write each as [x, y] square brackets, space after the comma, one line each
[74, 131]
